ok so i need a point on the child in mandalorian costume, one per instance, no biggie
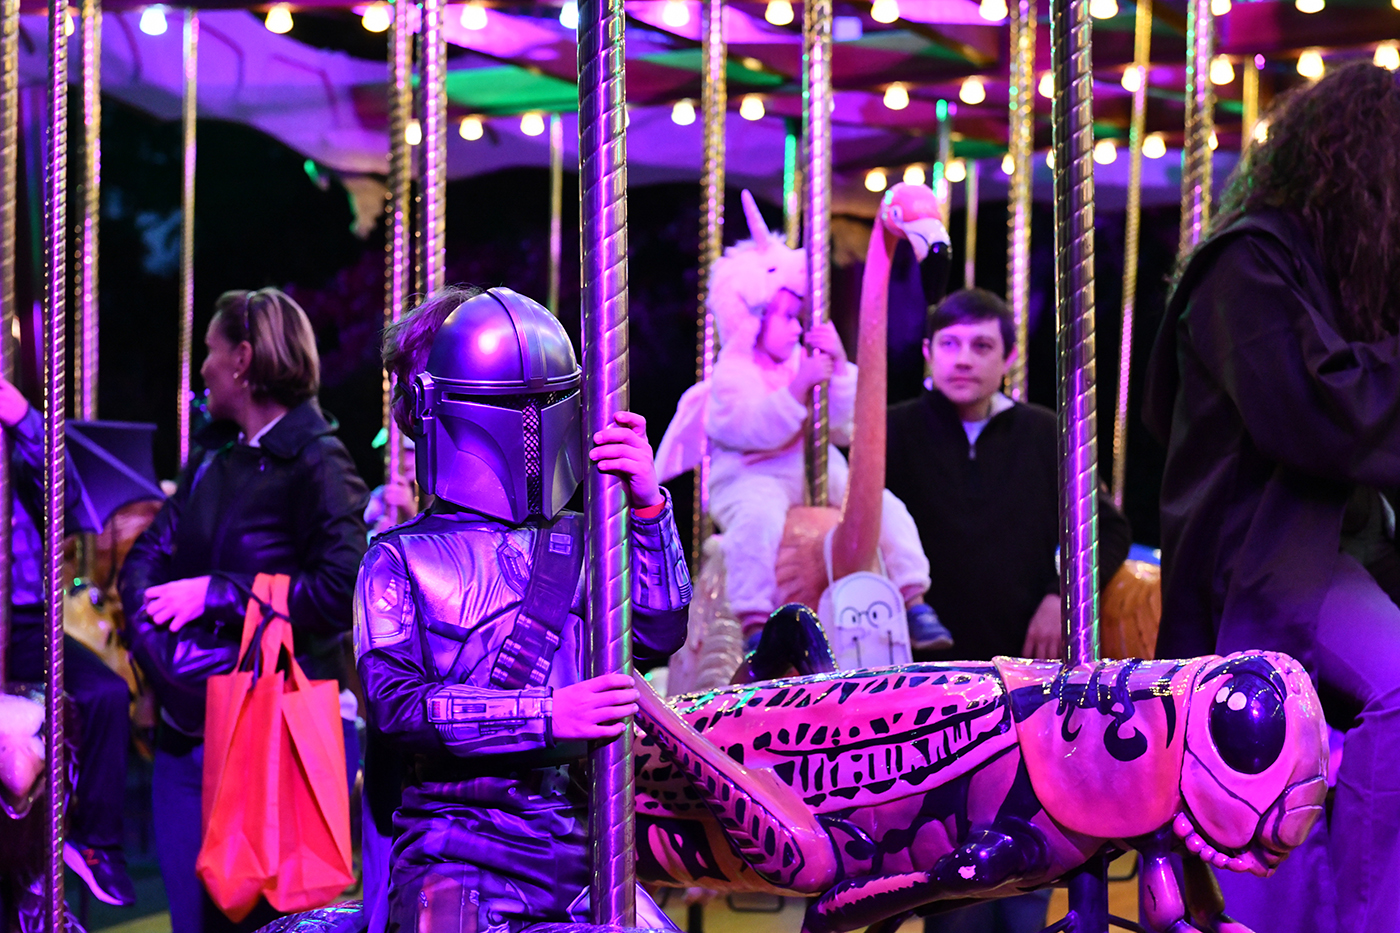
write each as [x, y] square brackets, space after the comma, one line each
[469, 618]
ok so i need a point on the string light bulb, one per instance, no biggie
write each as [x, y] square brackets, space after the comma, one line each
[1045, 87]
[876, 180]
[1219, 7]
[1132, 79]
[153, 20]
[1387, 56]
[1261, 131]
[751, 107]
[1311, 65]
[955, 171]
[1103, 9]
[1154, 146]
[778, 12]
[470, 128]
[914, 175]
[1221, 71]
[993, 10]
[1050, 159]
[896, 96]
[68, 25]
[532, 123]
[279, 19]
[884, 11]
[1008, 164]
[413, 132]
[568, 14]
[473, 16]
[675, 13]
[973, 91]
[1310, 6]
[683, 112]
[377, 17]
[1105, 152]
[1213, 142]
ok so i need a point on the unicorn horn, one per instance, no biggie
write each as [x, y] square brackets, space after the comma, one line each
[758, 230]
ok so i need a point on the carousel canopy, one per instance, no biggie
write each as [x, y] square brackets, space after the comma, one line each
[898, 65]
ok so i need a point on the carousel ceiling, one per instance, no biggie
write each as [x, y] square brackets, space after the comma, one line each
[318, 83]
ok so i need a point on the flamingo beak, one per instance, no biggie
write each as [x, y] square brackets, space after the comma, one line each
[922, 233]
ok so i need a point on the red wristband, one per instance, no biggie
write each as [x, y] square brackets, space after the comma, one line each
[650, 511]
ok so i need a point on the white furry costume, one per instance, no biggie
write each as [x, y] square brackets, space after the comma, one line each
[755, 428]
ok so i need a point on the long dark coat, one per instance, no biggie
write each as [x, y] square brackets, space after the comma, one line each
[1271, 419]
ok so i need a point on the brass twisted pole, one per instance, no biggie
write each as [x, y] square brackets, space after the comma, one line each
[188, 115]
[602, 131]
[54, 337]
[86, 352]
[970, 196]
[1200, 124]
[1132, 238]
[434, 123]
[1072, 63]
[816, 130]
[397, 207]
[714, 104]
[1021, 145]
[9, 204]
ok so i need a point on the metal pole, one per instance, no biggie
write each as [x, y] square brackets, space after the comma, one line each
[602, 119]
[9, 205]
[714, 105]
[191, 62]
[1074, 325]
[434, 122]
[1132, 236]
[556, 209]
[1200, 123]
[55, 323]
[939, 181]
[1021, 139]
[792, 184]
[816, 130]
[86, 352]
[970, 248]
[397, 269]
[1250, 98]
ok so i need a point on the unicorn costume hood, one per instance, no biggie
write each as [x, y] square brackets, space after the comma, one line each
[748, 276]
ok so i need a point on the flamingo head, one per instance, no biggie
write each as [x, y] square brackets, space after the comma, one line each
[912, 212]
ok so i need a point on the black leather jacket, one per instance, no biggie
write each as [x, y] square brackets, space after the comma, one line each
[292, 505]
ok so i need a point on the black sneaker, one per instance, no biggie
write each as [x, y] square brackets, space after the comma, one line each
[926, 633]
[104, 872]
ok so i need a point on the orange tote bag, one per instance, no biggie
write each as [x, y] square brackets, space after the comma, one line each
[276, 806]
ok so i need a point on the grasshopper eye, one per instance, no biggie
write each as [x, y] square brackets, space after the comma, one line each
[1247, 723]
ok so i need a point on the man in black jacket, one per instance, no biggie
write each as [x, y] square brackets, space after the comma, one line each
[979, 474]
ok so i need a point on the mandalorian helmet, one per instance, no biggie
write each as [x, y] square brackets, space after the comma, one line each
[500, 410]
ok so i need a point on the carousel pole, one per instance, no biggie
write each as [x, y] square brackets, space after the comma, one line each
[9, 204]
[602, 116]
[1074, 325]
[792, 184]
[86, 352]
[714, 104]
[1132, 237]
[1200, 123]
[191, 68]
[398, 198]
[970, 186]
[556, 209]
[55, 323]
[1021, 145]
[434, 123]
[1249, 92]
[816, 129]
[941, 188]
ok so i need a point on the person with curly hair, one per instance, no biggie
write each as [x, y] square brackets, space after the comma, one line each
[1275, 383]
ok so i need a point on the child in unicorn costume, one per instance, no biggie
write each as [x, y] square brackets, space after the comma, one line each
[753, 410]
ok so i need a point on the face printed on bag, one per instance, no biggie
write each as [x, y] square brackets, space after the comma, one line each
[782, 326]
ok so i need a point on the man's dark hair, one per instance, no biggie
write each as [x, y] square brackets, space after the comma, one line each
[972, 306]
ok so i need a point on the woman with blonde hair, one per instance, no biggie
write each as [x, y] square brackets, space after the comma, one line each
[267, 489]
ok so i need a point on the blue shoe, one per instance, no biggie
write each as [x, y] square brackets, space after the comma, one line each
[926, 633]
